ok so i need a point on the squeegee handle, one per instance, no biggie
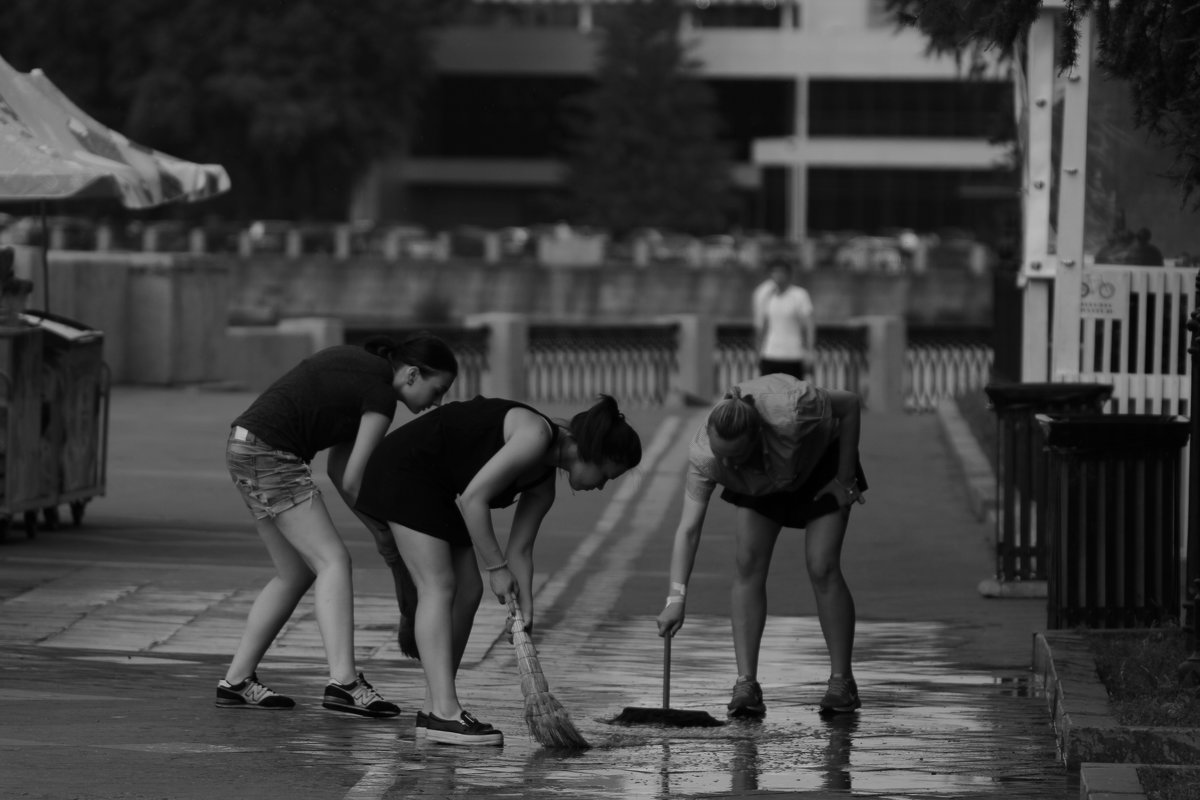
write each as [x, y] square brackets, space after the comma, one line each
[667, 671]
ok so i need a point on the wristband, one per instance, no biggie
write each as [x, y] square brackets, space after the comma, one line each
[679, 588]
[501, 565]
[672, 599]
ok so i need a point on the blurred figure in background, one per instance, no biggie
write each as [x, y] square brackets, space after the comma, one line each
[785, 331]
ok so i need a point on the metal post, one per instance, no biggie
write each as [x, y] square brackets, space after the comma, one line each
[1189, 670]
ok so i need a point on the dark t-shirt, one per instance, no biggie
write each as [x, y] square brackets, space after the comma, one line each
[320, 401]
[417, 471]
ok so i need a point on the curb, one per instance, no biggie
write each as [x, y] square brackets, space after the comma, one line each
[1085, 727]
[977, 471]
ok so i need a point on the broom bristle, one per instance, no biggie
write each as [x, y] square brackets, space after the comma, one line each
[550, 724]
[547, 720]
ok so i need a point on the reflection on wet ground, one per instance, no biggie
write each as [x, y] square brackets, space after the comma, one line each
[928, 729]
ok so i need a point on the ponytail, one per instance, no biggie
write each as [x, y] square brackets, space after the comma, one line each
[603, 434]
[428, 353]
[735, 417]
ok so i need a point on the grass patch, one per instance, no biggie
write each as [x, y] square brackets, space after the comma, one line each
[1170, 784]
[1138, 668]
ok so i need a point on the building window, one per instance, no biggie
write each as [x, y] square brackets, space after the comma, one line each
[875, 200]
[927, 109]
[491, 14]
[747, 14]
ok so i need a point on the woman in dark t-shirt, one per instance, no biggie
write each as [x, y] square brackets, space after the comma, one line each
[435, 481]
[340, 399]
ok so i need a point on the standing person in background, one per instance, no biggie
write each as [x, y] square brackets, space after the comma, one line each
[785, 331]
[343, 399]
[787, 454]
[435, 481]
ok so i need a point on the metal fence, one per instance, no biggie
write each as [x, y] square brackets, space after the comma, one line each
[945, 362]
[470, 346]
[841, 361]
[575, 363]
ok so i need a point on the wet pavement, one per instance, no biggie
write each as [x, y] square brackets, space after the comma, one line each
[113, 636]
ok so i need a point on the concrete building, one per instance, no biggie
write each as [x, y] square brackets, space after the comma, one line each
[838, 119]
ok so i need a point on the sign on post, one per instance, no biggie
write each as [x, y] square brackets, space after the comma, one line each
[1104, 294]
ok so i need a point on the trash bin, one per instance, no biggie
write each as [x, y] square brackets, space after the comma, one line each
[21, 490]
[1020, 467]
[74, 418]
[1113, 518]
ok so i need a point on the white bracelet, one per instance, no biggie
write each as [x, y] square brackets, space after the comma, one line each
[673, 599]
[501, 565]
[679, 588]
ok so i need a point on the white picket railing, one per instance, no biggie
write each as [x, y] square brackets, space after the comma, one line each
[1133, 336]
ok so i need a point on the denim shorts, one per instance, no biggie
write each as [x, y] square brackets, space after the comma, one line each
[270, 481]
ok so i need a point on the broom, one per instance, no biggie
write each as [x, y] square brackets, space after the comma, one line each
[666, 715]
[547, 720]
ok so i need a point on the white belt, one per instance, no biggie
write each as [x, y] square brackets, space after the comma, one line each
[240, 434]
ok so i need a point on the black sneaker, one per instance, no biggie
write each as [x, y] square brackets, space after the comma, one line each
[466, 730]
[841, 696]
[747, 700]
[421, 728]
[358, 697]
[250, 694]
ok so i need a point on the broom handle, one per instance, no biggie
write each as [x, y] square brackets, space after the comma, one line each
[667, 671]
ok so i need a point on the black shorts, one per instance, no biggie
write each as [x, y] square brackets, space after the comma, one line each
[800, 506]
[769, 366]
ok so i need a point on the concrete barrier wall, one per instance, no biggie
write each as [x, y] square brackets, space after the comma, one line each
[373, 289]
[165, 316]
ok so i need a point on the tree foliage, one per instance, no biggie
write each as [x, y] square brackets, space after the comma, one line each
[646, 148]
[294, 98]
[1154, 45]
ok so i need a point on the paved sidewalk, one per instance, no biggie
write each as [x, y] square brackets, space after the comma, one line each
[112, 637]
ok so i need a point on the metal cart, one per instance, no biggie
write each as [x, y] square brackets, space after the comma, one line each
[55, 420]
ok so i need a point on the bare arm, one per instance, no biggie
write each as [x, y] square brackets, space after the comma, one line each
[371, 430]
[526, 439]
[847, 409]
[683, 559]
[527, 521]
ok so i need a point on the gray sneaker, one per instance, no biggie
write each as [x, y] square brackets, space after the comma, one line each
[358, 697]
[747, 700]
[250, 694]
[841, 696]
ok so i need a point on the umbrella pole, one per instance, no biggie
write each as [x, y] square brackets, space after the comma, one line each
[45, 259]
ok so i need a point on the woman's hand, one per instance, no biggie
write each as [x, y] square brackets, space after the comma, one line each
[845, 493]
[508, 627]
[670, 619]
[503, 585]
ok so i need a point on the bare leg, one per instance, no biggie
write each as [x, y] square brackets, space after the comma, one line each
[432, 564]
[835, 605]
[385, 543]
[303, 536]
[754, 544]
[468, 592]
[274, 604]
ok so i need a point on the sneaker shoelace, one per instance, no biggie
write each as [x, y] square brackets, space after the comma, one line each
[364, 693]
[840, 687]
